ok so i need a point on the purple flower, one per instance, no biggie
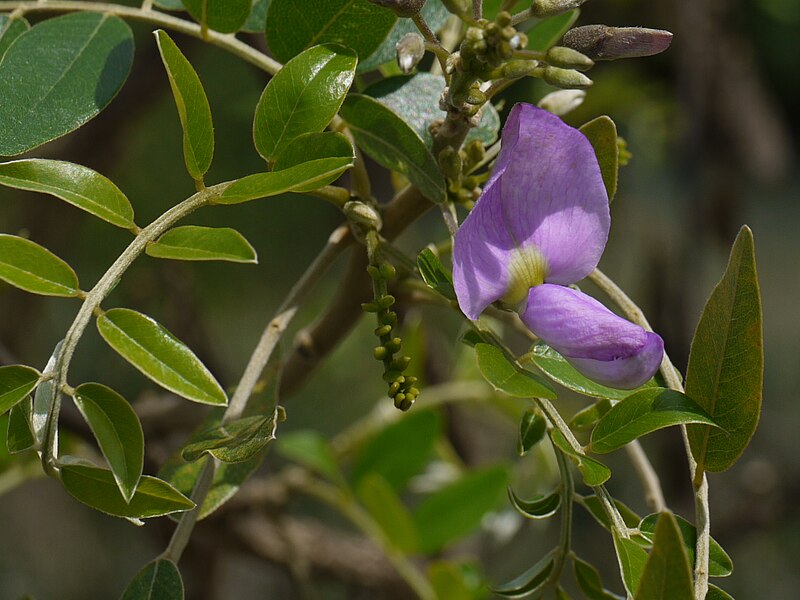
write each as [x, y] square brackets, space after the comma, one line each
[543, 219]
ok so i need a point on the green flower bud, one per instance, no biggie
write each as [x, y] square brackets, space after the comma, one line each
[518, 68]
[393, 389]
[380, 352]
[370, 307]
[410, 50]
[383, 330]
[402, 8]
[548, 8]
[475, 97]
[559, 56]
[450, 163]
[600, 42]
[362, 214]
[563, 101]
[457, 7]
[394, 345]
[503, 19]
[386, 301]
[373, 272]
[388, 270]
[566, 78]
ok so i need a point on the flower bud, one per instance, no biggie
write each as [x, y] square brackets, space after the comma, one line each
[518, 68]
[450, 162]
[563, 101]
[410, 50]
[362, 214]
[600, 42]
[457, 7]
[566, 78]
[548, 8]
[403, 8]
[559, 56]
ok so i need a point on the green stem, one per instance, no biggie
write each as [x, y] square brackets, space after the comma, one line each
[227, 42]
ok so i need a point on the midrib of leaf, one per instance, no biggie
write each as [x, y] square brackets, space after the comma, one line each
[158, 360]
[38, 277]
[99, 480]
[330, 22]
[198, 251]
[12, 391]
[36, 104]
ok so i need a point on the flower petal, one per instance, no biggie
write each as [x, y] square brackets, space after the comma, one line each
[545, 200]
[600, 344]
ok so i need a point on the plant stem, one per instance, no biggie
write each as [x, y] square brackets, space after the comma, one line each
[477, 9]
[430, 37]
[521, 17]
[651, 483]
[183, 531]
[228, 42]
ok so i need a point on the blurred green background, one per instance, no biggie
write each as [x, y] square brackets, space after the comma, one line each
[712, 125]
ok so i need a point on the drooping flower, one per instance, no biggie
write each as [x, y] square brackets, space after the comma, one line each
[541, 224]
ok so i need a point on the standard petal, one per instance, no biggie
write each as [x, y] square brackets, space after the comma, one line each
[600, 344]
[543, 215]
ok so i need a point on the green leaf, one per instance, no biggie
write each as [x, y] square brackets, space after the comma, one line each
[233, 442]
[225, 16]
[415, 433]
[415, 99]
[642, 413]
[667, 574]
[559, 370]
[507, 377]
[547, 32]
[532, 428]
[158, 580]
[434, 13]
[589, 581]
[450, 582]
[632, 558]
[191, 242]
[10, 30]
[257, 20]
[719, 563]
[434, 274]
[302, 97]
[530, 581]
[538, 507]
[726, 362]
[78, 185]
[97, 488]
[586, 419]
[311, 450]
[58, 75]
[159, 355]
[315, 146]
[383, 504]
[307, 176]
[192, 104]
[294, 25]
[602, 135]
[594, 472]
[117, 430]
[595, 508]
[393, 144]
[45, 395]
[16, 382]
[715, 593]
[20, 429]
[458, 508]
[28, 266]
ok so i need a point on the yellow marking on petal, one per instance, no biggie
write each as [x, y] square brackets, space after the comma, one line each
[526, 269]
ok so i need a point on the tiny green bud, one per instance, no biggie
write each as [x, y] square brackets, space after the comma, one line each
[402, 8]
[393, 389]
[566, 78]
[457, 7]
[412, 391]
[388, 270]
[518, 68]
[370, 307]
[410, 50]
[386, 301]
[411, 379]
[383, 330]
[394, 345]
[568, 58]
[380, 352]
[503, 18]
[600, 42]
[548, 8]
[362, 214]
[393, 377]
[562, 101]
[475, 97]
[401, 363]
[390, 318]
[373, 272]
[475, 151]
[450, 163]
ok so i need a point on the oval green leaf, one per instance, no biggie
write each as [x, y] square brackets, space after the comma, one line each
[631, 558]
[602, 135]
[58, 75]
[28, 266]
[726, 362]
[434, 274]
[20, 429]
[457, 509]
[203, 243]
[10, 30]
[532, 428]
[588, 578]
[294, 25]
[225, 16]
[97, 488]
[586, 419]
[547, 32]
[667, 574]
[642, 413]
[538, 507]
[594, 472]
[391, 515]
[530, 581]
[552, 364]
[159, 355]
[391, 142]
[315, 146]
[719, 563]
[158, 580]
[507, 377]
[16, 382]
[302, 97]
[304, 177]
[715, 593]
[415, 99]
[117, 430]
[192, 104]
[233, 442]
[76, 184]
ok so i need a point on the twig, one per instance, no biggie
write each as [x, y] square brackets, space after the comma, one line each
[430, 37]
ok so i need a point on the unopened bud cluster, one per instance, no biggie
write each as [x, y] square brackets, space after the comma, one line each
[490, 44]
[456, 165]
